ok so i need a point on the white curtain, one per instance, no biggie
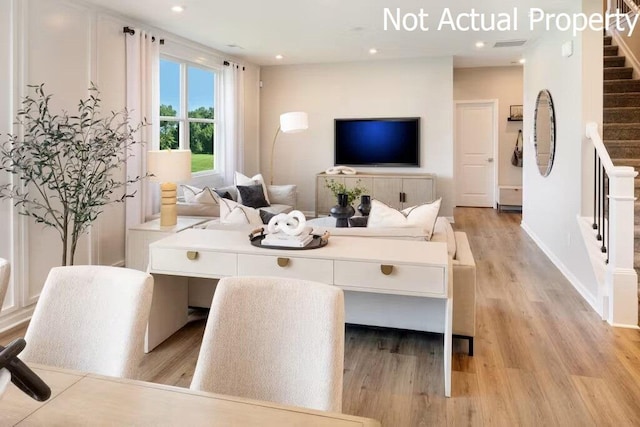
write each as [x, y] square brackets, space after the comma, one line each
[143, 102]
[232, 147]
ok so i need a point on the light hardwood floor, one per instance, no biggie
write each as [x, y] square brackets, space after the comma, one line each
[542, 358]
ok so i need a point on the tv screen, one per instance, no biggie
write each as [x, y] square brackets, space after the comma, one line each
[377, 142]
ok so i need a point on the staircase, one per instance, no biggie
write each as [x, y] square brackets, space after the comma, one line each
[621, 123]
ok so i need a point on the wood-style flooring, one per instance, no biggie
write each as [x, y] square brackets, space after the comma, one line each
[543, 357]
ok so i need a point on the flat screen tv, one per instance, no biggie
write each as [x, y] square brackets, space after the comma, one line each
[378, 142]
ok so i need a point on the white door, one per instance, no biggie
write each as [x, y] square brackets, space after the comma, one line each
[475, 141]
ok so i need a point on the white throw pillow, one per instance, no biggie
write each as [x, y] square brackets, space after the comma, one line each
[241, 179]
[422, 216]
[234, 213]
[199, 195]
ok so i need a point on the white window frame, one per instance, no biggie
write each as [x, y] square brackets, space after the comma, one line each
[183, 118]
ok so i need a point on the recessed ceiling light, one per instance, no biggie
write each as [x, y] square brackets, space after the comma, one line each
[479, 44]
[177, 9]
[373, 51]
[522, 61]
[279, 56]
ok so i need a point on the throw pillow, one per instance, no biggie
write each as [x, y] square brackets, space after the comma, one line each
[234, 213]
[241, 179]
[282, 194]
[266, 216]
[223, 194]
[199, 195]
[252, 196]
[423, 216]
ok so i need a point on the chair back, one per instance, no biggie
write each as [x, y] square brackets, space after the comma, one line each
[5, 273]
[274, 339]
[92, 319]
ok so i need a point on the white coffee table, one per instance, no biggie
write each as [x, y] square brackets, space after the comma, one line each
[415, 269]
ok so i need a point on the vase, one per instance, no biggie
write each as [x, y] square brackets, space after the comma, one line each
[342, 211]
[365, 205]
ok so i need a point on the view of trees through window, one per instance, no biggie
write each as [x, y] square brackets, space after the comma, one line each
[199, 133]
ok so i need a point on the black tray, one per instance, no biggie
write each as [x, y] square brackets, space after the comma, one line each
[318, 241]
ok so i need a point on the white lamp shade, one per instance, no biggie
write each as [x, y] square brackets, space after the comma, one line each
[296, 121]
[169, 165]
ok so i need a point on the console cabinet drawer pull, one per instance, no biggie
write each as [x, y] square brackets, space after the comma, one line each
[283, 262]
[192, 255]
[386, 269]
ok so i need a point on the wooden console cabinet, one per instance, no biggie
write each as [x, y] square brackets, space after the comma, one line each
[399, 191]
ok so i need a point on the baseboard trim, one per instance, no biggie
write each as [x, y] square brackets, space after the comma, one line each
[16, 320]
[577, 284]
[118, 264]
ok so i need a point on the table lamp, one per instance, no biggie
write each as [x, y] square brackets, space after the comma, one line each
[167, 168]
[289, 123]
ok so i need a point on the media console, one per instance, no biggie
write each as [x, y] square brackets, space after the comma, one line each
[396, 190]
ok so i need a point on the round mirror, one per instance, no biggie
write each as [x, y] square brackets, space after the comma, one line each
[544, 132]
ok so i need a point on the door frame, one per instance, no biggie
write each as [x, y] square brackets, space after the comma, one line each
[456, 146]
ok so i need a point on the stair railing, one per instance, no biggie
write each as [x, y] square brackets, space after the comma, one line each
[613, 222]
[624, 6]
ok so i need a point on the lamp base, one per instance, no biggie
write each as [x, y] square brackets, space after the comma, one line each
[168, 208]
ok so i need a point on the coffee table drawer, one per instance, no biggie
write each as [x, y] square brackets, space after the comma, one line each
[399, 278]
[204, 263]
[319, 270]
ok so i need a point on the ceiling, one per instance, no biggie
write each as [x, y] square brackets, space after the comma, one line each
[319, 31]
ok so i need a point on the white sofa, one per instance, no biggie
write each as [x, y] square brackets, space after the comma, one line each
[283, 199]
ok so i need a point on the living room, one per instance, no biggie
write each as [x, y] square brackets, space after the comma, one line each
[67, 44]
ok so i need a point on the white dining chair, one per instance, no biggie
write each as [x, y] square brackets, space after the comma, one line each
[274, 339]
[5, 272]
[91, 319]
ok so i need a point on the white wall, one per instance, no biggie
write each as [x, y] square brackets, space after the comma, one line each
[67, 44]
[505, 85]
[6, 112]
[404, 87]
[552, 204]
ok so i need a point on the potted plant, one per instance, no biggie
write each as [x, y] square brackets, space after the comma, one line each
[345, 197]
[352, 194]
[67, 166]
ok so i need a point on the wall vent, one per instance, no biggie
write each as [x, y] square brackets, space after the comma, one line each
[510, 43]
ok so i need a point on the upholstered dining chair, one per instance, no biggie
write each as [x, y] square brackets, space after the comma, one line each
[92, 319]
[5, 272]
[274, 339]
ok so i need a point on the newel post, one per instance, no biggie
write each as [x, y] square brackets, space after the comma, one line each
[621, 279]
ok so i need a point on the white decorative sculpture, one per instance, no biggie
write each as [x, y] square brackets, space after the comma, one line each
[292, 224]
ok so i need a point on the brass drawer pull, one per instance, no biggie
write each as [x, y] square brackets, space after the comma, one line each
[386, 269]
[192, 255]
[283, 262]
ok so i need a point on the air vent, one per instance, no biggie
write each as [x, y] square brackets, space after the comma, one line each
[510, 43]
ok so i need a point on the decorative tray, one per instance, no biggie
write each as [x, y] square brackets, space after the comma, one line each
[318, 241]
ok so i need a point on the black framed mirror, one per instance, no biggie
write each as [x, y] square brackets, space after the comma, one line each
[544, 132]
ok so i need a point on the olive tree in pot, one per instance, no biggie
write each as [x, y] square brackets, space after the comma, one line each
[67, 165]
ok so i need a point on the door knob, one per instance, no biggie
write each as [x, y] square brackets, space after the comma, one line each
[490, 160]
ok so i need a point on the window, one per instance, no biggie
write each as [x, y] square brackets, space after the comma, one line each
[187, 111]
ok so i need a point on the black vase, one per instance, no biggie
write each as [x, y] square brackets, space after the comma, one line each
[365, 205]
[342, 211]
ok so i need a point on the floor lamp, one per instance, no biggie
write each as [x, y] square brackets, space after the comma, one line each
[167, 168]
[289, 123]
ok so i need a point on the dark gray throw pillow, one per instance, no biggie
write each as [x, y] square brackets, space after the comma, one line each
[266, 216]
[253, 196]
[224, 194]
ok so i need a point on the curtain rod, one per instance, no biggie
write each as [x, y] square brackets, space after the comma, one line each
[227, 63]
[129, 30]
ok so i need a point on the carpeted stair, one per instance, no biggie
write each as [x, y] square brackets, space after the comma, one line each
[621, 122]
